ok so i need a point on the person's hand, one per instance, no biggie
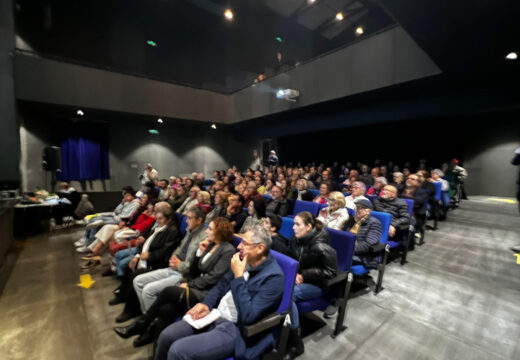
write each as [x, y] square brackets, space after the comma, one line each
[140, 240]
[132, 264]
[122, 224]
[183, 285]
[198, 311]
[391, 231]
[323, 213]
[174, 262]
[145, 255]
[299, 279]
[238, 266]
[203, 245]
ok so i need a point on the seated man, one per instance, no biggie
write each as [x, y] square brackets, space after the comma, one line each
[414, 191]
[358, 189]
[250, 291]
[368, 232]
[190, 201]
[278, 205]
[250, 193]
[149, 285]
[379, 183]
[389, 202]
[235, 212]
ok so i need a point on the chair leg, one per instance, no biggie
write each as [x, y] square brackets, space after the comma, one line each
[381, 272]
[342, 307]
[406, 244]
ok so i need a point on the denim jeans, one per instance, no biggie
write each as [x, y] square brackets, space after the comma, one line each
[302, 292]
[123, 258]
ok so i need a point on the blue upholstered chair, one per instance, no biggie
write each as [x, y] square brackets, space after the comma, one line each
[343, 242]
[287, 227]
[382, 249]
[301, 205]
[314, 192]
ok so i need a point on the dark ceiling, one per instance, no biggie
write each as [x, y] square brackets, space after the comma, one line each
[196, 46]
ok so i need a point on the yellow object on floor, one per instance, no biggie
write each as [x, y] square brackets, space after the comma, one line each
[509, 201]
[517, 258]
[85, 281]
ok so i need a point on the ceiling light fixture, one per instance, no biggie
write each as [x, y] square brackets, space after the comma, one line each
[228, 14]
[151, 43]
[214, 127]
[360, 30]
[512, 56]
[339, 16]
[160, 121]
[311, 1]
[290, 95]
[80, 112]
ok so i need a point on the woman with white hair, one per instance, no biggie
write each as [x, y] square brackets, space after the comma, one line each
[379, 183]
[335, 215]
[437, 176]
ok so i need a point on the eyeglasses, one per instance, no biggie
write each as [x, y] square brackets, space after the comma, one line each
[248, 244]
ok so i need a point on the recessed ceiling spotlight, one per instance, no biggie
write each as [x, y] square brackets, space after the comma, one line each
[80, 112]
[339, 16]
[213, 126]
[160, 121]
[512, 56]
[228, 14]
[360, 30]
[311, 1]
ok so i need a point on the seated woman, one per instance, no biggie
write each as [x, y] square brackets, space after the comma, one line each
[219, 210]
[335, 215]
[107, 233]
[317, 262]
[256, 216]
[153, 254]
[212, 261]
[177, 197]
[269, 183]
[323, 195]
[204, 201]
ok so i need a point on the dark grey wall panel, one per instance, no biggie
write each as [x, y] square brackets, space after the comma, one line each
[9, 143]
[385, 59]
[49, 81]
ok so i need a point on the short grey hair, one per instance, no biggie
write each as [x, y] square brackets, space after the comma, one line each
[399, 174]
[382, 180]
[439, 172]
[261, 236]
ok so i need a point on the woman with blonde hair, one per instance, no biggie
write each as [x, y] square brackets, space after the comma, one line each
[335, 215]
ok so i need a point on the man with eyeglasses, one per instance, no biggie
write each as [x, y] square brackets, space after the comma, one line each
[235, 212]
[278, 205]
[358, 191]
[389, 202]
[252, 289]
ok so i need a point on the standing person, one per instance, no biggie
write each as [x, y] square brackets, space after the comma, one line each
[272, 160]
[516, 161]
[149, 174]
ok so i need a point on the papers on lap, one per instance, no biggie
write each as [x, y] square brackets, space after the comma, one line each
[203, 322]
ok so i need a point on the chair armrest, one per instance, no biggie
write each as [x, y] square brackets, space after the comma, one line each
[377, 248]
[337, 279]
[263, 324]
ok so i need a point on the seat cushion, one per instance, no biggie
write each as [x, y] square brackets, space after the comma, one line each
[359, 270]
[310, 305]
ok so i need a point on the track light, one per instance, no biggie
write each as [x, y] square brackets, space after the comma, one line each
[214, 127]
[339, 16]
[80, 112]
[360, 30]
[512, 56]
[160, 121]
[228, 14]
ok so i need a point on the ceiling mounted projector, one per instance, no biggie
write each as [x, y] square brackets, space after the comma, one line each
[288, 94]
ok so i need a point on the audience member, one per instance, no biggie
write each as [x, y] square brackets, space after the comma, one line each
[149, 174]
[358, 192]
[219, 210]
[278, 204]
[256, 216]
[235, 212]
[379, 183]
[190, 201]
[335, 215]
[323, 196]
[389, 202]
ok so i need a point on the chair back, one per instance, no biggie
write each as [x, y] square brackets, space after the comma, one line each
[287, 228]
[267, 197]
[371, 197]
[310, 206]
[343, 242]
[183, 226]
[438, 190]
[236, 241]
[289, 267]
[409, 202]
[385, 219]
[351, 212]
[314, 192]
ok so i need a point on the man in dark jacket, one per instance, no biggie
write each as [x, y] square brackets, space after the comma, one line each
[420, 198]
[278, 205]
[368, 233]
[389, 202]
[250, 291]
[235, 212]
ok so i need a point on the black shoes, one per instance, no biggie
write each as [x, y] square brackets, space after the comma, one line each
[145, 339]
[116, 300]
[136, 328]
[125, 316]
[295, 345]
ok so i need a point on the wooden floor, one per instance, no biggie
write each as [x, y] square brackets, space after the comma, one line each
[457, 298]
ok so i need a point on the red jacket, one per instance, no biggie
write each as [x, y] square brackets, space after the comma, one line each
[143, 222]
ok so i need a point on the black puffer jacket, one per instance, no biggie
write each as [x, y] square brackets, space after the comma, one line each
[318, 261]
[395, 207]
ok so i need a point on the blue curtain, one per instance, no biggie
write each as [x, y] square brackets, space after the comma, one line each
[83, 159]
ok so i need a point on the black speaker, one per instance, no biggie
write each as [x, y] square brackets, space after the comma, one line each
[52, 158]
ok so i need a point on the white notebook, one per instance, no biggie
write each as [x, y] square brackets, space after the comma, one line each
[203, 322]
